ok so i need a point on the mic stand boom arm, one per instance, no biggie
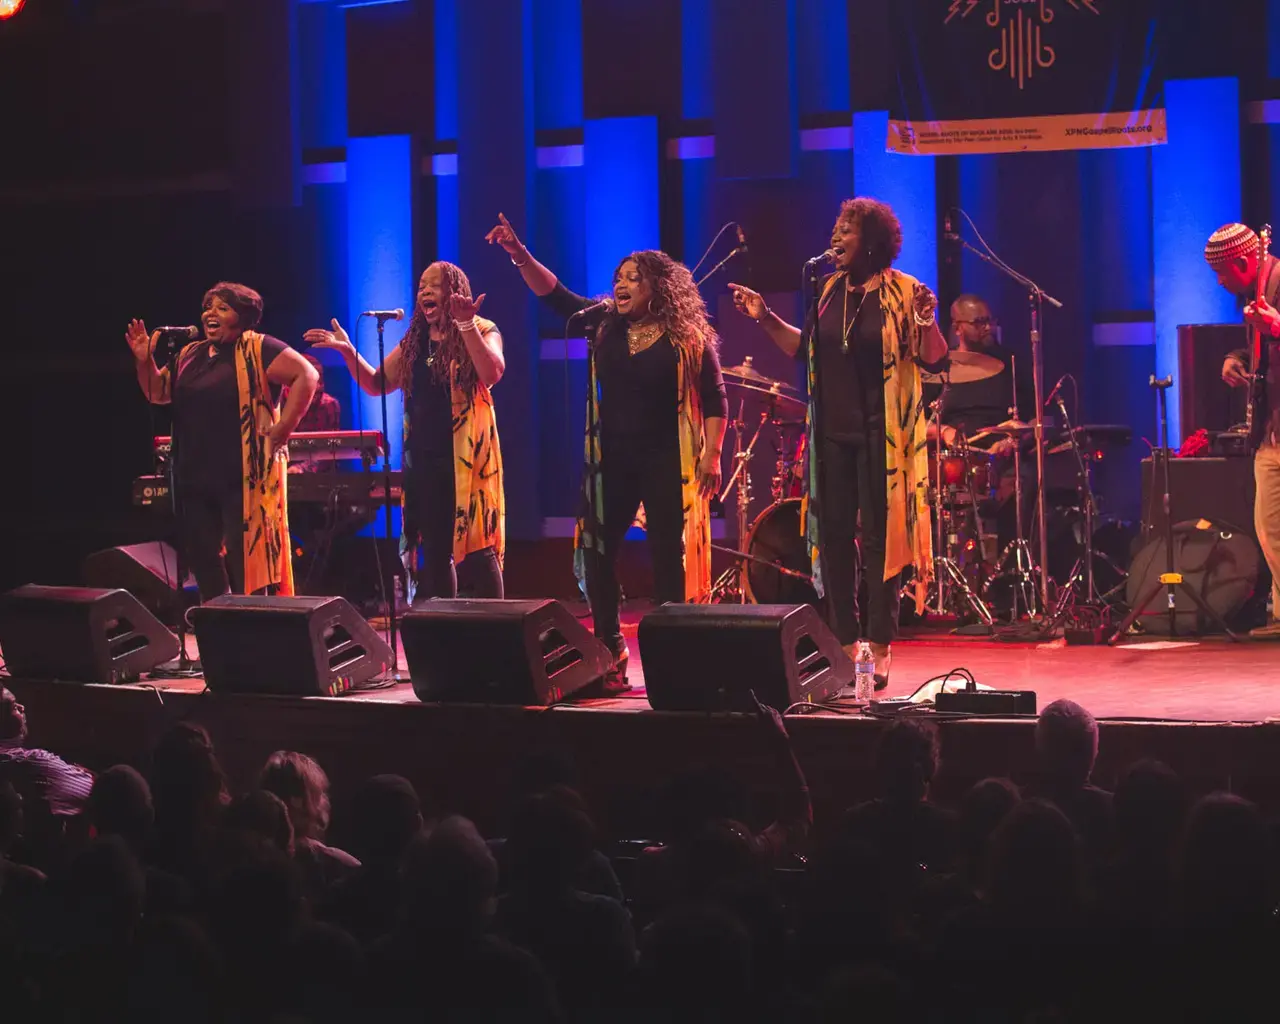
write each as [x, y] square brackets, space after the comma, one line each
[1036, 297]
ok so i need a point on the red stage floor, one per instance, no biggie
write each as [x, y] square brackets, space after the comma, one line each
[1210, 680]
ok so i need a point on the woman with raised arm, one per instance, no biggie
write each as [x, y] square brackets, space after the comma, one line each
[229, 435]
[454, 512]
[655, 424]
[866, 423]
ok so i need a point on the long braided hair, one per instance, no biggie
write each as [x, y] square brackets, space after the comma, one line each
[451, 352]
[676, 304]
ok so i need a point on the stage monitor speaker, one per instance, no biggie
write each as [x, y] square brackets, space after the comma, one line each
[490, 651]
[706, 657]
[1214, 488]
[80, 634]
[1218, 561]
[149, 572]
[299, 646]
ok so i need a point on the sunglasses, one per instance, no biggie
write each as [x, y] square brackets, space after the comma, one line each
[982, 321]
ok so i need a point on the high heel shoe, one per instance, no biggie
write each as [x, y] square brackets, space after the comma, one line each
[615, 680]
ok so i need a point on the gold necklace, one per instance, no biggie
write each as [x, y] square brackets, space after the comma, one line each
[848, 324]
[641, 336]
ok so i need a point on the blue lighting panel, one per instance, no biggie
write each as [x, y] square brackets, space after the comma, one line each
[557, 63]
[908, 184]
[696, 79]
[621, 168]
[381, 274]
[446, 68]
[1195, 189]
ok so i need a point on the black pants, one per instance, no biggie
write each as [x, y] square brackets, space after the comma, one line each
[854, 481]
[630, 476]
[431, 523]
[210, 523]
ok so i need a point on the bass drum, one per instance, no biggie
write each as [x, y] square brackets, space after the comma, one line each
[776, 538]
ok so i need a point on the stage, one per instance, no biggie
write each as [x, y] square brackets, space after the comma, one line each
[1207, 707]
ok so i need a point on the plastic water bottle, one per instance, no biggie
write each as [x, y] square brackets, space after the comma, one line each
[864, 673]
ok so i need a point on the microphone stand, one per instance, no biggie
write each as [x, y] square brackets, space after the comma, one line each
[386, 495]
[737, 251]
[1036, 296]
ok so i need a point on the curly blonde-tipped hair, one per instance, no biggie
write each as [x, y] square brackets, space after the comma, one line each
[453, 350]
[676, 304]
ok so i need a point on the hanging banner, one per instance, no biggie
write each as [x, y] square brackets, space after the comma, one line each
[1012, 76]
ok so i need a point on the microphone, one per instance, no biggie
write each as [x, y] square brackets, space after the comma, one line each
[604, 304]
[1056, 388]
[192, 332]
[829, 255]
[742, 239]
[385, 314]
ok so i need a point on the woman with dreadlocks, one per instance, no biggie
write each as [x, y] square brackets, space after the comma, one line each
[454, 508]
[655, 423]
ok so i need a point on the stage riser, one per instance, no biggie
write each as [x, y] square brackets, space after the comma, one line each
[463, 758]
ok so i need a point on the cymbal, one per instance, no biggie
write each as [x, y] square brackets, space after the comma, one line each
[772, 393]
[967, 367]
[745, 373]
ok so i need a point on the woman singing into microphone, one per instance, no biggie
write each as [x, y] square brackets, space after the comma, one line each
[454, 514]
[229, 459]
[866, 423]
[655, 423]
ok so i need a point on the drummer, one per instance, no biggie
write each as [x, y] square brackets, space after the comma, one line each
[982, 373]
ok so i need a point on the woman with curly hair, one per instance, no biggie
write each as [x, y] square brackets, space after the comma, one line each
[875, 331]
[655, 424]
[454, 510]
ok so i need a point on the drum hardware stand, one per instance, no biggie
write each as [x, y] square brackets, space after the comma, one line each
[1083, 571]
[1024, 570]
[1036, 297]
[729, 586]
[945, 571]
[1170, 578]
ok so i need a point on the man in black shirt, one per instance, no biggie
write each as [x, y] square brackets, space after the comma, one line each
[973, 405]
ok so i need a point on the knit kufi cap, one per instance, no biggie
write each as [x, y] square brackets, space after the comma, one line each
[1229, 242]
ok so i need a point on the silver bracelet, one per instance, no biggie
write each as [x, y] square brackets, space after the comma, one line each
[527, 257]
[920, 322]
[765, 315]
[468, 325]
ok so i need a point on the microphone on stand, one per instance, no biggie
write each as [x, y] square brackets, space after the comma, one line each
[1056, 388]
[384, 314]
[604, 304]
[742, 240]
[829, 255]
[192, 332]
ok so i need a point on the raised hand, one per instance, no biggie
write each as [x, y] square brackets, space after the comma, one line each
[334, 338]
[1235, 373]
[462, 308]
[748, 302]
[140, 343]
[504, 234]
[924, 302]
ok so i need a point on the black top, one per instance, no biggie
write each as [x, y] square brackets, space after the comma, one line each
[975, 404]
[430, 413]
[206, 416]
[638, 400]
[850, 375]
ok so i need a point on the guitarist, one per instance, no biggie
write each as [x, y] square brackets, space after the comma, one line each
[1245, 267]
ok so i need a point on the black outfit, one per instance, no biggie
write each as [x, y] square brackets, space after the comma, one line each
[850, 444]
[208, 470]
[975, 404]
[429, 475]
[1266, 386]
[640, 456]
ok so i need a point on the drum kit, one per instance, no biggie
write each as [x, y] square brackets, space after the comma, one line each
[971, 480]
